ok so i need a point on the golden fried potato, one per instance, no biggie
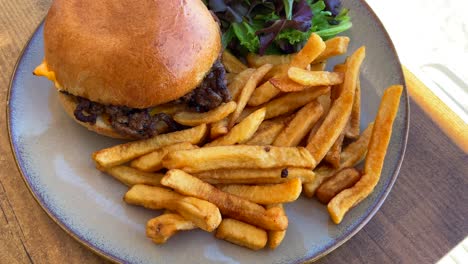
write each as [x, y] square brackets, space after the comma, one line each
[202, 213]
[334, 154]
[299, 126]
[219, 129]
[341, 180]
[334, 47]
[256, 61]
[255, 176]
[231, 63]
[237, 157]
[338, 116]
[230, 205]
[242, 234]
[153, 160]
[276, 237]
[239, 81]
[352, 129]
[247, 91]
[120, 154]
[267, 194]
[266, 133]
[212, 116]
[314, 78]
[163, 227]
[378, 144]
[130, 176]
[241, 132]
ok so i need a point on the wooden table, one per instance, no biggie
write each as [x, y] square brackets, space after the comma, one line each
[422, 219]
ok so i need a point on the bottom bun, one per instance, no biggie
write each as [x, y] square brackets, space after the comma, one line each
[101, 127]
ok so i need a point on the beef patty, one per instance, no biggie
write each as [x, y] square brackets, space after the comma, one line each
[138, 123]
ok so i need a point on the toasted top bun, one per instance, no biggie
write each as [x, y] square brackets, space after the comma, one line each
[101, 127]
[136, 53]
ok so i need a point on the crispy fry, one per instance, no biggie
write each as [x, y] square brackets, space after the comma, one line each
[341, 180]
[168, 108]
[247, 92]
[214, 115]
[311, 50]
[153, 160]
[350, 157]
[333, 156]
[242, 234]
[256, 61]
[276, 237]
[255, 176]
[314, 78]
[292, 101]
[378, 144]
[202, 213]
[299, 126]
[263, 94]
[235, 87]
[120, 154]
[352, 128]
[277, 70]
[230, 205]
[335, 122]
[219, 128]
[334, 47]
[130, 176]
[237, 157]
[163, 227]
[267, 194]
[242, 131]
[231, 63]
[266, 133]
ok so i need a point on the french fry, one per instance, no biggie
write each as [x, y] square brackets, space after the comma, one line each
[202, 213]
[352, 128]
[153, 160]
[120, 154]
[263, 94]
[242, 234]
[333, 156]
[219, 128]
[277, 70]
[130, 176]
[237, 157]
[163, 227]
[168, 108]
[350, 157]
[230, 205]
[292, 101]
[334, 47]
[276, 237]
[267, 194]
[242, 131]
[335, 122]
[212, 116]
[247, 92]
[314, 78]
[325, 102]
[235, 87]
[231, 63]
[378, 144]
[266, 133]
[255, 176]
[256, 61]
[299, 126]
[341, 180]
[311, 50]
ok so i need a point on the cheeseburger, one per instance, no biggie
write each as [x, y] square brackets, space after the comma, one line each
[113, 62]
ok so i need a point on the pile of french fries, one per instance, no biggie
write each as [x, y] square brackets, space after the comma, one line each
[291, 128]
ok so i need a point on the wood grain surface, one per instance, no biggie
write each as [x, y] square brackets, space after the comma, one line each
[422, 219]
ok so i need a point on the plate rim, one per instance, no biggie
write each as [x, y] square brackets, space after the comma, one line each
[308, 259]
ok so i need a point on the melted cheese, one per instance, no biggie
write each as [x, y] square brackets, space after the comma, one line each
[43, 70]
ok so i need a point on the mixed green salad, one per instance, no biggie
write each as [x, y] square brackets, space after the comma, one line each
[277, 26]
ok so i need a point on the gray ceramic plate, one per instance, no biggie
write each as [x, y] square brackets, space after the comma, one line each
[53, 155]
